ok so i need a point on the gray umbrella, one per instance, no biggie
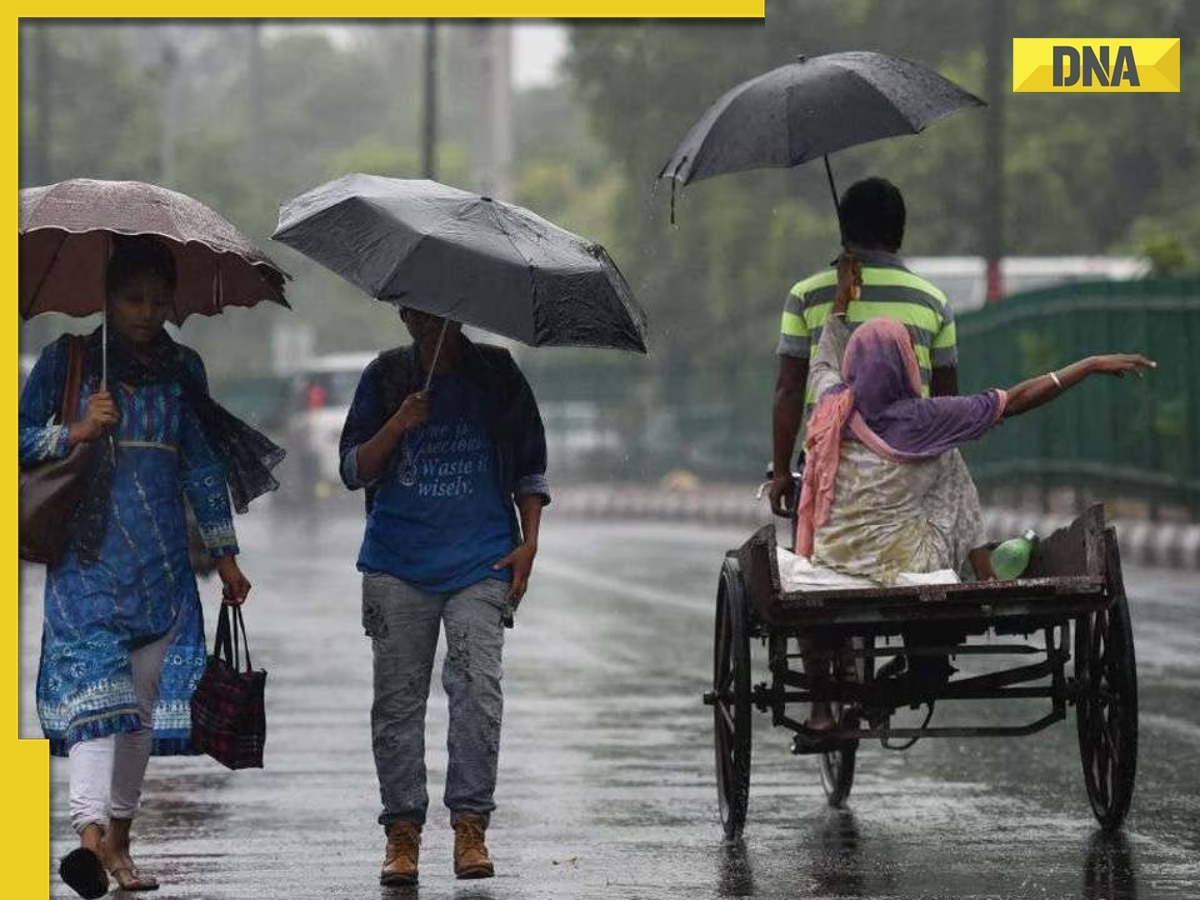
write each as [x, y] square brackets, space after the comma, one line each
[465, 257]
[810, 108]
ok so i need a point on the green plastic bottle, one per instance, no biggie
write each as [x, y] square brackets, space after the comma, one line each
[1011, 558]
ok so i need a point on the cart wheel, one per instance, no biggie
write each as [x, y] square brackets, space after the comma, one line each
[731, 698]
[1106, 716]
[837, 766]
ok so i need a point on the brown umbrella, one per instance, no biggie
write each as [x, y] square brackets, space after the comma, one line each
[65, 234]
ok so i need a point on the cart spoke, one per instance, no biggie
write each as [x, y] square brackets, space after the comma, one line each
[726, 717]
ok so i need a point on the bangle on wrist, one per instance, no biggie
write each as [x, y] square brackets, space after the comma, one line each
[1054, 377]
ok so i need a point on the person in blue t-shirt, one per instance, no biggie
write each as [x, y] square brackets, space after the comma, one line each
[446, 470]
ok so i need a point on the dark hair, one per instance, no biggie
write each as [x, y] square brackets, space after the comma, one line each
[135, 254]
[872, 215]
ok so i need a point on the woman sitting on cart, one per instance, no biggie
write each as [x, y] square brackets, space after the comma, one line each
[885, 489]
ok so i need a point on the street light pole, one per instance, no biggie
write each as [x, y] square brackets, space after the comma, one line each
[996, 42]
[169, 60]
[429, 123]
[258, 103]
[43, 83]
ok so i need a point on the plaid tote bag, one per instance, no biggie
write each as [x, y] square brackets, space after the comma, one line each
[228, 719]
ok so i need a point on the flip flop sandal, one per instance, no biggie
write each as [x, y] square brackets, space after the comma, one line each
[83, 873]
[808, 729]
[130, 878]
[807, 741]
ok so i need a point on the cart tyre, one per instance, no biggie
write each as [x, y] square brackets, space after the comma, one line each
[837, 766]
[731, 691]
[1106, 715]
[837, 771]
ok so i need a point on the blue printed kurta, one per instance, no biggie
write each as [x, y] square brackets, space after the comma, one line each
[142, 583]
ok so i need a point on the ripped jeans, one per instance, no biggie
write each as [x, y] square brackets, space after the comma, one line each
[403, 622]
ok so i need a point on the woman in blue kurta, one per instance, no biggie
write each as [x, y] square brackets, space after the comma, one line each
[123, 641]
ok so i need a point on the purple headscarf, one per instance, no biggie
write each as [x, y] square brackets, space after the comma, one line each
[890, 415]
[880, 404]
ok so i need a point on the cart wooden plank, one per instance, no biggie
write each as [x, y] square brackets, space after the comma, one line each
[1066, 578]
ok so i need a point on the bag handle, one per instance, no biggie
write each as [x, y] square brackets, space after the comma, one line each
[239, 625]
[231, 639]
[74, 383]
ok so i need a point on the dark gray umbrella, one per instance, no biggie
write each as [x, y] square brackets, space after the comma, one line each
[465, 257]
[810, 108]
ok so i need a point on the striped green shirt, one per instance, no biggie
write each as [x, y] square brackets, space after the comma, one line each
[889, 291]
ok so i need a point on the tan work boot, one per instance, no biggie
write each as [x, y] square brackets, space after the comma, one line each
[471, 858]
[400, 857]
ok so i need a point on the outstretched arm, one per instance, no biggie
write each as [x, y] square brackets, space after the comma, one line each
[1040, 390]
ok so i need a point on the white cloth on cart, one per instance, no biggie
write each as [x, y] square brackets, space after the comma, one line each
[798, 573]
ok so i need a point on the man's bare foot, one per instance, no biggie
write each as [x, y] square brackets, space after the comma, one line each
[820, 718]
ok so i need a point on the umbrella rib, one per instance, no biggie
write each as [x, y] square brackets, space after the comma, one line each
[382, 293]
[906, 112]
[528, 264]
[500, 224]
[46, 274]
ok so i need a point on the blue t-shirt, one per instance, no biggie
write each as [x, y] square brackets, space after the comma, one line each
[439, 521]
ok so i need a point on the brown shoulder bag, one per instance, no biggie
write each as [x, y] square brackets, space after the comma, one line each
[50, 492]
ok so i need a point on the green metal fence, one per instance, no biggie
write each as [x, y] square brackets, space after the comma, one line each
[1128, 438]
[619, 417]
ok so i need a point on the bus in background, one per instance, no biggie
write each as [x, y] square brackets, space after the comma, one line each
[963, 279]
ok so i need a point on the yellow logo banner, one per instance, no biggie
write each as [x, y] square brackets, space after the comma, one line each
[1095, 65]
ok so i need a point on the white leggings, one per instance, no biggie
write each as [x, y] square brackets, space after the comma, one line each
[107, 772]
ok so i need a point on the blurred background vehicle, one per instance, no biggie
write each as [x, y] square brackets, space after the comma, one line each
[319, 396]
[580, 438]
[963, 279]
[261, 400]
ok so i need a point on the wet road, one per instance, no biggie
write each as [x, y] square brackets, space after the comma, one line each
[606, 785]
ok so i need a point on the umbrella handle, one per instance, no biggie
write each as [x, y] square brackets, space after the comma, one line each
[674, 181]
[437, 351]
[104, 345]
[104, 325]
[833, 190]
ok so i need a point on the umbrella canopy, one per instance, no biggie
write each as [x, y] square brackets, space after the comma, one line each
[65, 234]
[465, 257]
[810, 108]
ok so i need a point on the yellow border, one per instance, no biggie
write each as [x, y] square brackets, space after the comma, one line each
[26, 764]
[450, 9]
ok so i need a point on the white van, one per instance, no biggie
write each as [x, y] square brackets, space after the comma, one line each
[963, 279]
[322, 391]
